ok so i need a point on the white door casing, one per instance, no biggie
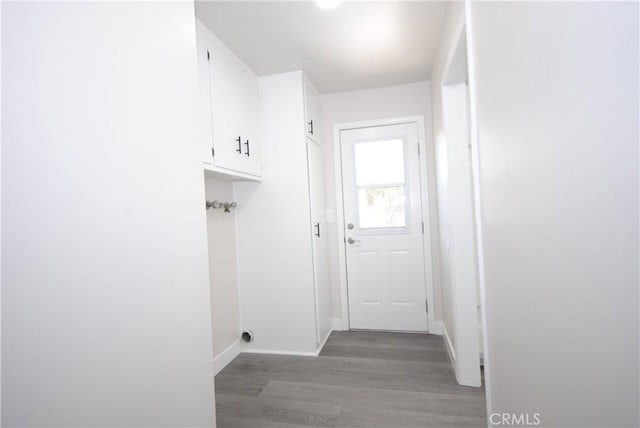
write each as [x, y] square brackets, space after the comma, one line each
[462, 334]
[384, 227]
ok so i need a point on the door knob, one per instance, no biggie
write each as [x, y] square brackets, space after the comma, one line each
[350, 240]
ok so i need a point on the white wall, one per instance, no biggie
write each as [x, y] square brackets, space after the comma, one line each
[454, 19]
[557, 110]
[456, 200]
[106, 315]
[380, 103]
[223, 268]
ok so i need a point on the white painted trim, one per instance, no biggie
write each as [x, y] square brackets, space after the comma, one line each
[225, 357]
[426, 219]
[475, 161]
[340, 247]
[449, 345]
[228, 174]
[436, 328]
[324, 342]
[424, 199]
[293, 353]
[275, 352]
[377, 122]
[464, 275]
[339, 324]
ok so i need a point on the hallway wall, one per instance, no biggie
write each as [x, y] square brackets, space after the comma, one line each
[380, 103]
[223, 267]
[454, 19]
[105, 298]
[557, 110]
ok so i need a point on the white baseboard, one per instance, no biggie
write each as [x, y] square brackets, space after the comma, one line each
[435, 328]
[339, 324]
[275, 352]
[221, 360]
[447, 341]
[293, 353]
[324, 341]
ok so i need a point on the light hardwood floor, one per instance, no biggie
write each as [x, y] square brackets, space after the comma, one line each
[361, 379]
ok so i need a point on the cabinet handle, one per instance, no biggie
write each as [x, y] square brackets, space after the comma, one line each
[239, 149]
[317, 227]
[247, 146]
[213, 152]
[311, 127]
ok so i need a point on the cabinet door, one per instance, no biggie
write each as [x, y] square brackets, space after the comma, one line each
[230, 103]
[204, 77]
[236, 112]
[227, 84]
[248, 102]
[312, 113]
[320, 246]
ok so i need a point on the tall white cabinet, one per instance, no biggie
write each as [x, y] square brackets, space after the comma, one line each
[282, 247]
[313, 130]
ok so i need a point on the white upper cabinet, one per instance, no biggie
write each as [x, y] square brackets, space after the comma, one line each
[312, 112]
[204, 79]
[230, 108]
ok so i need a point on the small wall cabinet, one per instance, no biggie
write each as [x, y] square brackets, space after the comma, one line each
[229, 99]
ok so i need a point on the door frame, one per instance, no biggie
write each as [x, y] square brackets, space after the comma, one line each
[462, 36]
[345, 322]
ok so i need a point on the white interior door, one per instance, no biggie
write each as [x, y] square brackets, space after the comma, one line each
[384, 228]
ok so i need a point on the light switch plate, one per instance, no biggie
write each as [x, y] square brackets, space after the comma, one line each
[330, 216]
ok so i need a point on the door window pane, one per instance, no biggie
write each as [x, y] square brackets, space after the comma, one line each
[381, 207]
[379, 162]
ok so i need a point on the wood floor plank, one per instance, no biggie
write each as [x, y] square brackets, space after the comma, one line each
[386, 340]
[278, 411]
[235, 421]
[364, 398]
[373, 379]
[232, 382]
[419, 382]
[385, 353]
[382, 418]
[255, 363]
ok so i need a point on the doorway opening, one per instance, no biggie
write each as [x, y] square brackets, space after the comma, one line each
[462, 321]
[385, 257]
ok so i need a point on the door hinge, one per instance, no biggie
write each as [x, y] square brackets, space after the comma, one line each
[423, 227]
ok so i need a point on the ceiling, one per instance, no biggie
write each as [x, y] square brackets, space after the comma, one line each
[358, 45]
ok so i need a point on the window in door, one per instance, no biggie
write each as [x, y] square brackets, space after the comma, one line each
[381, 186]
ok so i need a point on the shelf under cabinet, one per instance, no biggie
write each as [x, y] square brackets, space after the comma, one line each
[229, 175]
